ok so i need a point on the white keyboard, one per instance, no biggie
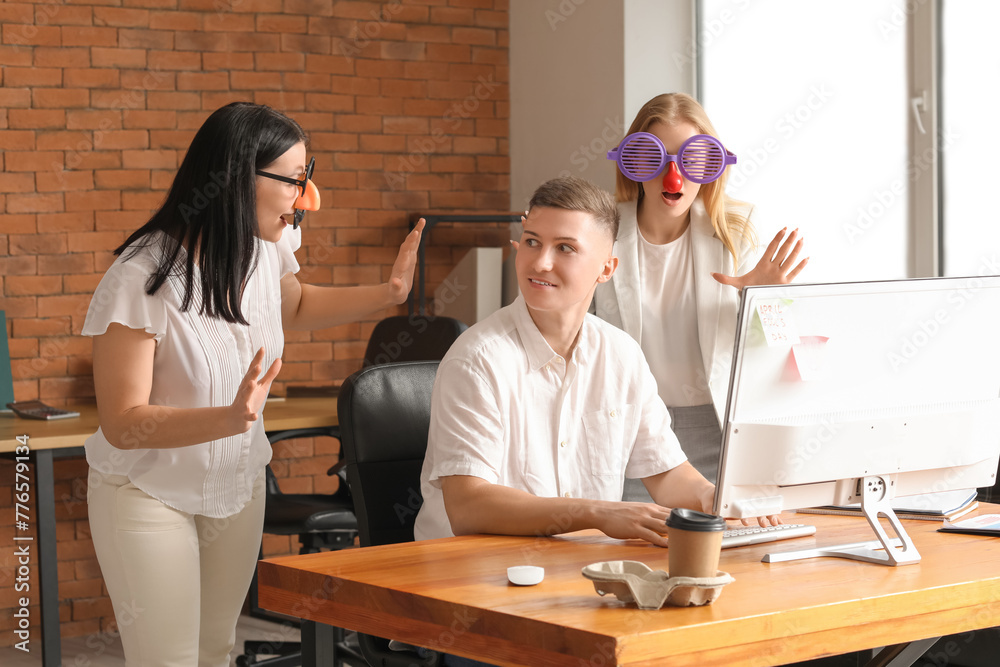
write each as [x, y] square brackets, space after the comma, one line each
[740, 537]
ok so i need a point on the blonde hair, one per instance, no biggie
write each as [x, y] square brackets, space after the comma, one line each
[572, 193]
[731, 226]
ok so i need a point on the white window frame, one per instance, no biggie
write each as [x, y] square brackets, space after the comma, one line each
[923, 57]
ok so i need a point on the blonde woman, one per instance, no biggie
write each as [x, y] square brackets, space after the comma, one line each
[685, 249]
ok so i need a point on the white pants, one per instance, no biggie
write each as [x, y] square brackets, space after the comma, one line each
[177, 581]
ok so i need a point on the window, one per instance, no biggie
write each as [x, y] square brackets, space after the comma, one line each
[813, 100]
[970, 138]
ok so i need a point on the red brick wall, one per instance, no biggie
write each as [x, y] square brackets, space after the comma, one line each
[406, 104]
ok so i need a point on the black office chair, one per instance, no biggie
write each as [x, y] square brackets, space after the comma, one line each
[411, 338]
[321, 522]
[324, 521]
[407, 338]
[384, 457]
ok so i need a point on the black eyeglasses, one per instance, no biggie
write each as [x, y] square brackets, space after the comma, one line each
[300, 182]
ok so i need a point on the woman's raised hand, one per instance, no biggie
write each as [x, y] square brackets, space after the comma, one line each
[776, 267]
[253, 392]
[401, 280]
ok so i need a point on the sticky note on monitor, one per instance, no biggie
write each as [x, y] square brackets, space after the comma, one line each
[777, 321]
[810, 357]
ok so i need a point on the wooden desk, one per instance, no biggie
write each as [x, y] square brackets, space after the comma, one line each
[65, 437]
[61, 433]
[452, 595]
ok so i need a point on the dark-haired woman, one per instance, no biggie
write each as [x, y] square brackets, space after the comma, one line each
[187, 336]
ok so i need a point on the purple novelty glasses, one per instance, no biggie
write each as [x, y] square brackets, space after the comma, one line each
[642, 157]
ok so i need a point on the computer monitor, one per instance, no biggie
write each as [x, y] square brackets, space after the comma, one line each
[858, 393]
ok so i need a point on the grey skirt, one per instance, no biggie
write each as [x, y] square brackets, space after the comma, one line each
[697, 429]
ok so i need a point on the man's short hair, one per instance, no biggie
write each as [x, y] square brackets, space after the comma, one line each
[571, 193]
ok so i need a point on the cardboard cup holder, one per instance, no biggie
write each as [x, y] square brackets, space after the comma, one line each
[632, 581]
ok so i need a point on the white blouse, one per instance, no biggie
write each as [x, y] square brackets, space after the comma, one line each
[669, 336]
[199, 362]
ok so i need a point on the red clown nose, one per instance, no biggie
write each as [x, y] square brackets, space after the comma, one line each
[672, 181]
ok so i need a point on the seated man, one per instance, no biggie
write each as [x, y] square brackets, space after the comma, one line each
[540, 411]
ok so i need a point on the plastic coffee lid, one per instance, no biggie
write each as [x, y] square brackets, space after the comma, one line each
[685, 519]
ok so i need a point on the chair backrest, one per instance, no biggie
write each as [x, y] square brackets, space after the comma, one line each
[411, 338]
[385, 412]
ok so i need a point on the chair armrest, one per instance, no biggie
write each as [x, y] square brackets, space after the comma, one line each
[312, 432]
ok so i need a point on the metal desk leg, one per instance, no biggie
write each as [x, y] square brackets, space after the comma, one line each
[902, 655]
[48, 573]
[318, 646]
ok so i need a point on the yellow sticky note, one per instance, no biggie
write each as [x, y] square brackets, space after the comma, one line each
[777, 321]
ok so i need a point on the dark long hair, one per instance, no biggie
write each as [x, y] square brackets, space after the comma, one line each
[212, 206]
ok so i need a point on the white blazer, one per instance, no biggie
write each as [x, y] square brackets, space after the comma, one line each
[618, 300]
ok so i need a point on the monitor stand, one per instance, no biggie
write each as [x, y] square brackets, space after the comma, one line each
[885, 551]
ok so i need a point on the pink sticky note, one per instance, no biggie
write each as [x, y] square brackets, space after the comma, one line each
[810, 357]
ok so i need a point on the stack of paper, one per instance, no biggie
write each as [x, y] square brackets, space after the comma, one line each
[987, 524]
[947, 505]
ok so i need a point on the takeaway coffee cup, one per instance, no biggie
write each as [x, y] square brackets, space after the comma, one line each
[695, 540]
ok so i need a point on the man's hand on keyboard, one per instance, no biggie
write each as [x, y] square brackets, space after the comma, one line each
[772, 520]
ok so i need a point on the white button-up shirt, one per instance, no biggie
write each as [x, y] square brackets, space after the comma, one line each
[199, 362]
[509, 410]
